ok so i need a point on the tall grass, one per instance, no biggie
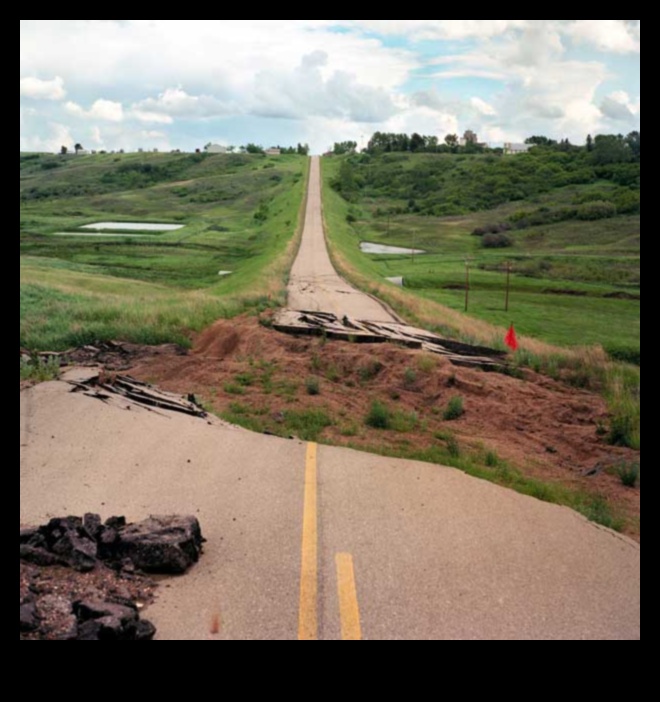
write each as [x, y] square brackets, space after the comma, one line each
[40, 370]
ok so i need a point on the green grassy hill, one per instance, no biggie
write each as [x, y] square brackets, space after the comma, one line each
[240, 214]
[567, 221]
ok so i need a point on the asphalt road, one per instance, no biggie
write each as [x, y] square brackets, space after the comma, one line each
[321, 543]
[326, 543]
[314, 284]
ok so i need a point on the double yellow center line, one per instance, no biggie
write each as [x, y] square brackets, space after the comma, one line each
[308, 626]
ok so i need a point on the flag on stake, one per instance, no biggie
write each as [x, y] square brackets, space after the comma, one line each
[511, 340]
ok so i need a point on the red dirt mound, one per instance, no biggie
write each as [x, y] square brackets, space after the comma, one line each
[271, 382]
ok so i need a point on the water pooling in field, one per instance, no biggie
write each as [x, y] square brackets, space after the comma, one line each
[133, 226]
[98, 235]
[368, 248]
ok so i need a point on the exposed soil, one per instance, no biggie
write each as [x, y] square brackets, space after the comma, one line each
[257, 376]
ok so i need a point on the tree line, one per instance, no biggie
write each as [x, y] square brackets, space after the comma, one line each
[604, 148]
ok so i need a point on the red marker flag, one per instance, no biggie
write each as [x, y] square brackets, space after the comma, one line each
[511, 340]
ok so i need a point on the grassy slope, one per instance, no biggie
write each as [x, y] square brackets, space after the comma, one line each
[155, 289]
[586, 260]
[586, 367]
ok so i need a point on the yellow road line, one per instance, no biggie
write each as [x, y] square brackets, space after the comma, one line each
[308, 626]
[349, 609]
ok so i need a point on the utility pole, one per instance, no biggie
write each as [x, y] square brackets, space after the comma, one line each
[414, 242]
[508, 286]
[467, 284]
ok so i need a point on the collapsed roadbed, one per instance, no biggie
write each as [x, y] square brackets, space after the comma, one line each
[361, 332]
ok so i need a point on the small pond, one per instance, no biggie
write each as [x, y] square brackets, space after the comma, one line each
[101, 235]
[368, 248]
[133, 226]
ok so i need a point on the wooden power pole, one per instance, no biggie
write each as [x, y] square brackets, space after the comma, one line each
[467, 284]
[508, 286]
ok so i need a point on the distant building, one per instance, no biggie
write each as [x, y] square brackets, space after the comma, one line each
[511, 149]
[273, 152]
[216, 149]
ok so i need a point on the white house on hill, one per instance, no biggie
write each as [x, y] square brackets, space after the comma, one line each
[216, 149]
[274, 152]
[515, 149]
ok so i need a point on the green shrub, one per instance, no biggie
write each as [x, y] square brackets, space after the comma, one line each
[492, 460]
[455, 409]
[379, 417]
[454, 447]
[307, 424]
[409, 378]
[313, 386]
[234, 389]
[370, 371]
[627, 354]
[593, 211]
[624, 430]
[629, 474]
[40, 369]
[496, 241]
[245, 380]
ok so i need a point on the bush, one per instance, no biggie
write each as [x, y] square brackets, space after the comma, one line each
[370, 371]
[629, 474]
[39, 369]
[313, 386]
[626, 354]
[624, 430]
[307, 424]
[455, 409]
[262, 213]
[379, 417]
[409, 378]
[496, 241]
[593, 211]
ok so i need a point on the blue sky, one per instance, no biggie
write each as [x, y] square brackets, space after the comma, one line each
[170, 84]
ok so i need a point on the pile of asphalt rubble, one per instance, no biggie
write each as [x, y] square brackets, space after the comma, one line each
[83, 579]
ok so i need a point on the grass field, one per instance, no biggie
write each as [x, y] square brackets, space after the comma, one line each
[573, 287]
[574, 283]
[240, 214]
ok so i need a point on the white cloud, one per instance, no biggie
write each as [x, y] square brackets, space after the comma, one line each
[620, 107]
[439, 29]
[58, 135]
[175, 102]
[310, 91]
[152, 134]
[620, 36]
[150, 117]
[235, 74]
[105, 110]
[543, 90]
[483, 107]
[96, 136]
[38, 89]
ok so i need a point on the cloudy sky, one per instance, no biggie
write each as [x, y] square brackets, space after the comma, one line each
[182, 83]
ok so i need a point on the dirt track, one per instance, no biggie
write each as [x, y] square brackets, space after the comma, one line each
[314, 284]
